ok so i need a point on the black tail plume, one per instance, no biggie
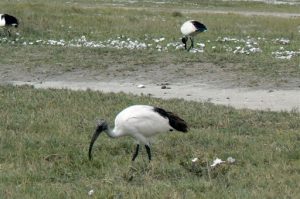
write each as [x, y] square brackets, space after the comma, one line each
[175, 121]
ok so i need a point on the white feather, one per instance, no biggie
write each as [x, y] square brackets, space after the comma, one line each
[141, 122]
[188, 28]
[2, 21]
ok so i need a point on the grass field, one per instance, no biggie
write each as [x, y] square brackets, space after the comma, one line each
[263, 47]
[44, 134]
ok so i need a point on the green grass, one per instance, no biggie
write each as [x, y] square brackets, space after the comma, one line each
[175, 4]
[45, 136]
[44, 20]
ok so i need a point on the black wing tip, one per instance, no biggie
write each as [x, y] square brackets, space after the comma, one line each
[7, 15]
[200, 26]
[10, 20]
[175, 121]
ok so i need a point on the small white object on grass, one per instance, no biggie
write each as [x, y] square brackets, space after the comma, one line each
[141, 86]
[230, 160]
[216, 162]
[194, 159]
[91, 192]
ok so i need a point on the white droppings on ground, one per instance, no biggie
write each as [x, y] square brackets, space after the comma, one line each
[285, 54]
[244, 46]
[230, 160]
[247, 46]
[141, 86]
[216, 162]
[283, 41]
[91, 192]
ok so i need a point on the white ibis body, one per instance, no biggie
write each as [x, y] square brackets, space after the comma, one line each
[189, 29]
[7, 21]
[140, 122]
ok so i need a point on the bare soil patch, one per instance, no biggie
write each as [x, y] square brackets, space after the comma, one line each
[197, 82]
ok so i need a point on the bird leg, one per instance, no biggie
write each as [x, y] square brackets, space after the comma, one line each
[192, 44]
[136, 152]
[9, 34]
[148, 152]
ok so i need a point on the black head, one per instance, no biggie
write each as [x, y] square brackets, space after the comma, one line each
[101, 126]
[184, 41]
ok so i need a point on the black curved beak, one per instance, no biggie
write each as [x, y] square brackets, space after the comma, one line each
[98, 130]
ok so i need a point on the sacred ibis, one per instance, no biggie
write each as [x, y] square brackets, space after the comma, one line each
[189, 29]
[7, 21]
[140, 122]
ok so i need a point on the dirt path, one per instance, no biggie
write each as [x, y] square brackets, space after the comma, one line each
[217, 87]
[274, 100]
[245, 13]
[210, 11]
